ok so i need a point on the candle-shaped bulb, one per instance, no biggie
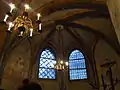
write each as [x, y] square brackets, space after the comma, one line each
[31, 31]
[38, 16]
[63, 67]
[12, 6]
[21, 33]
[5, 19]
[10, 26]
[26, 7]
[40, 26]
[61, 62]
[66, 63]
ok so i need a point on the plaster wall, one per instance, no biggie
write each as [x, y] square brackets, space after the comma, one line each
[114, 10]
[16, 68]
[102, 52]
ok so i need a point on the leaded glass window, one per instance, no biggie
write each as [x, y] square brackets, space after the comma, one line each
[46, 64]
[77, 66]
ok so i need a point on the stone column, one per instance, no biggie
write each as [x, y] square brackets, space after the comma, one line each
[114, 10]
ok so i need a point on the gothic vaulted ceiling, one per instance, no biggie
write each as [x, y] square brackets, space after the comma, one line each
[85, 18]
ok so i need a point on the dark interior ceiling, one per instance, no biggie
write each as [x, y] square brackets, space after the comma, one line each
[82, 19]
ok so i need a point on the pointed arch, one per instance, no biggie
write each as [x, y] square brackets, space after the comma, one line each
[46, 64]
[77, 66]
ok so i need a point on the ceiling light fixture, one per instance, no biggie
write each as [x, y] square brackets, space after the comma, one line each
[22, 24]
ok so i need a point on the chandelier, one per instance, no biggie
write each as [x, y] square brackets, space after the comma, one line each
[61, 65]
[22, 24]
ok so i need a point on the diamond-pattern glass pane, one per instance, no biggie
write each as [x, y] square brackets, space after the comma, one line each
[46, 65]
[78, 74]
[46, 73]
[77, 66]
[47, 53]
[76, 54]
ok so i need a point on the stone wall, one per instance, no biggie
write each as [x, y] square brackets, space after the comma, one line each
[102, 52]
[17, 66]
[114, 10]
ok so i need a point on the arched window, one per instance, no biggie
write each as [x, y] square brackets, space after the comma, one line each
[46, 64]
[77, 66]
